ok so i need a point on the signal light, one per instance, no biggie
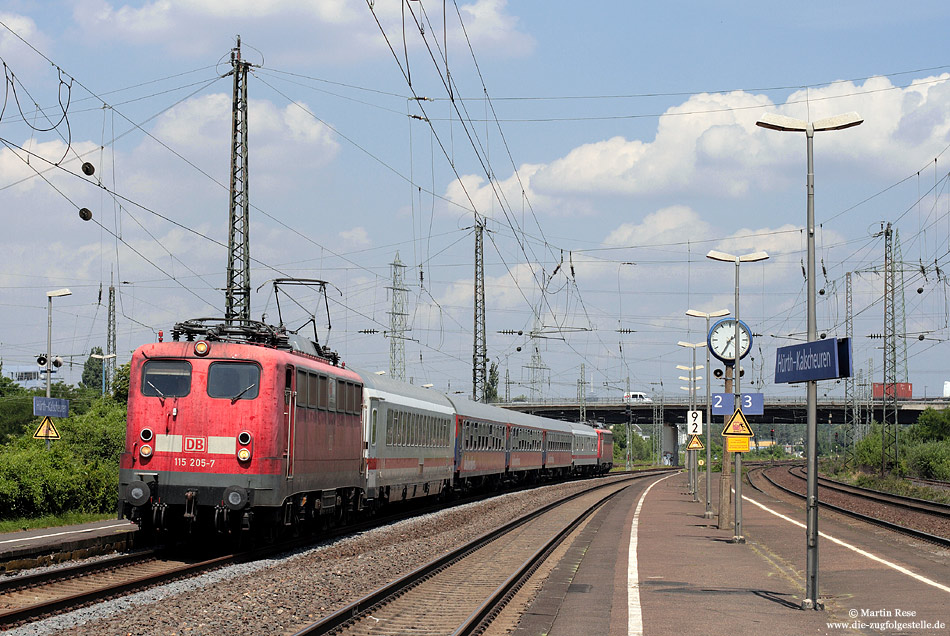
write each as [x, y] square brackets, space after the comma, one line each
[41, 360]
[57, 362]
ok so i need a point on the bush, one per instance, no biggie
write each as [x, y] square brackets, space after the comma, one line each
[929, 461]
[77, 473]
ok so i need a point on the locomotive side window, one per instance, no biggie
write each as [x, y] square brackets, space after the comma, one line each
[302, 400]
[234, 380]
[331, 402]
[313, 391]
[323, 399]
[166, 378]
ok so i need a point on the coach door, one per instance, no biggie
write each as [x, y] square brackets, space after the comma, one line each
[290, 417]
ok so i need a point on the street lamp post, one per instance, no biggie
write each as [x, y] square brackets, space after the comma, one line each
[714, 314]
[790, 124]
[108, 356]
[745, 258]
[693, 466]
[49, 334]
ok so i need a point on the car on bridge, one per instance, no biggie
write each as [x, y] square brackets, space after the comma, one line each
[634, 397]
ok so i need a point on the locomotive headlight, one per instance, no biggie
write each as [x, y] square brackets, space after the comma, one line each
[202, 348]
[244, 454]
[145, 451]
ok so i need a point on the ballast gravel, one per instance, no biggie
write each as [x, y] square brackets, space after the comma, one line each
[281, 595]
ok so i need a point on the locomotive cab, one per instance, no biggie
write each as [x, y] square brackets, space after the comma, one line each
[194, 439]
[246, 426]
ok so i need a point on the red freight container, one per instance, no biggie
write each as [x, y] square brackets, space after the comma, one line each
[904, 390]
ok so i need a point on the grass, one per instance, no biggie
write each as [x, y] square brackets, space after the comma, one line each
[889, 483]
[51, 521]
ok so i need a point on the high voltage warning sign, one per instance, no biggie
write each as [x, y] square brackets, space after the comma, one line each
[46, 430]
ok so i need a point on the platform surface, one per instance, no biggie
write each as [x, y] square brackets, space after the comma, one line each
[22, 546]
[685, 577]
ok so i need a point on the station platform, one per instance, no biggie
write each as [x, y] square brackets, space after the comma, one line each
[45, 546]
[650, 563]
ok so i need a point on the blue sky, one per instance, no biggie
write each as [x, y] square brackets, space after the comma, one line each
[590, 135]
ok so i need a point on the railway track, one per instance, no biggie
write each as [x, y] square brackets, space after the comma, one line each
[27, 597]
[461, 592]
[918, 518]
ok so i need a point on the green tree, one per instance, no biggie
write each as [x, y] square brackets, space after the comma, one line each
[932, 426]
[491, 389]
[92, 371]
[120, 383]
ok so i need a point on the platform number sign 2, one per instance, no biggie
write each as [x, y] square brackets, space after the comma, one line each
[694, 422]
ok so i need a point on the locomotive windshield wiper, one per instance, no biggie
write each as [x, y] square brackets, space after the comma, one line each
[238, 396]
[161, 396]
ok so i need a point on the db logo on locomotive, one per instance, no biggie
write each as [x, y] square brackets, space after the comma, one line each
[196, 444]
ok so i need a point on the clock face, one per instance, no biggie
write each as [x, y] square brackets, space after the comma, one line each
[722, 339]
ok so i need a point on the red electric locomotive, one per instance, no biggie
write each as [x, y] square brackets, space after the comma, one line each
[238, 421]
[605, 450]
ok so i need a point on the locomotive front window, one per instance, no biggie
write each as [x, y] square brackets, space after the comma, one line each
[234, 380]
[166, 378]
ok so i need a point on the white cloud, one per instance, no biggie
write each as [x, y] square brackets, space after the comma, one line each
[17, 54]
[338, 29]
[709, 144]
[285, 142]
[492, 31]
[355, 238]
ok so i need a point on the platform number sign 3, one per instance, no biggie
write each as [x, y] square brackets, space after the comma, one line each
[694, 422]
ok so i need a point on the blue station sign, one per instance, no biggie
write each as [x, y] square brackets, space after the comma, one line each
[818, 360]
[50, 407]
[724, 403]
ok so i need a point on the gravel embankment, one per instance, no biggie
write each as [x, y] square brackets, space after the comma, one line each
[893, 514]
[281, 595]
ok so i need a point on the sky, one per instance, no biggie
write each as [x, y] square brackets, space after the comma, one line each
[606, 147]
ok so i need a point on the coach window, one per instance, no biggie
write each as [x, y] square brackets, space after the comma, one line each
[373, 428]
[234, 380]
[166, 378]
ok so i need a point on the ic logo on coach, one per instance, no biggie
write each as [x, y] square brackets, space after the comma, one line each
[196, 444]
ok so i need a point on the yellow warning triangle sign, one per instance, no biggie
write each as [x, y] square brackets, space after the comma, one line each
[737, 426]
[46, 430]
[695, 443]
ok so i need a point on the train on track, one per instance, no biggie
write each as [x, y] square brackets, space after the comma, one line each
[242, 426]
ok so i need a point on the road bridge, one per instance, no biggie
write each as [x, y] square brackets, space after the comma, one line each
[777, 410]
